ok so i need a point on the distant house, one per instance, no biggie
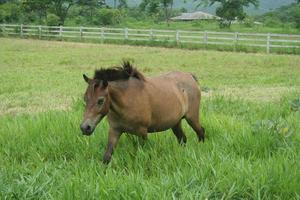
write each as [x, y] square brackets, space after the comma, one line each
[195, 16]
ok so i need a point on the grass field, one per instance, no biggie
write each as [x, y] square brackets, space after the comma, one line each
[250, 110]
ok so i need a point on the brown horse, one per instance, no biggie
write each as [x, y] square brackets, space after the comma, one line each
[140, 105]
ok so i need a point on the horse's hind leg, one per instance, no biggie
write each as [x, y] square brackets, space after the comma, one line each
[193, 121]
[177, 130]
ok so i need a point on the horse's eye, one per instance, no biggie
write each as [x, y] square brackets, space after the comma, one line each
[100, 101]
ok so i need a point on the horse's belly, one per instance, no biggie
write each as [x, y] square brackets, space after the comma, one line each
[168, 106]
[161, 127]
[165, 118]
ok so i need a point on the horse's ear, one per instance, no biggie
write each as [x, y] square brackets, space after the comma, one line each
[87, 79]
[104, 83]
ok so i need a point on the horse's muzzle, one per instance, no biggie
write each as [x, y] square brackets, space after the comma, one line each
[86, 129]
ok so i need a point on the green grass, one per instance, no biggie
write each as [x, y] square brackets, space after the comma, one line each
[250, 110]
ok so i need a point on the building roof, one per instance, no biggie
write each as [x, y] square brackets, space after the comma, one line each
[195, 16]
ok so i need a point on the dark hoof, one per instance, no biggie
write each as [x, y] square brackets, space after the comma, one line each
[201, 138]
[106, 159]
[203, 130]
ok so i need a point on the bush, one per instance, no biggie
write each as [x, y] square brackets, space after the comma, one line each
[2, 14]
[107, 16]
[272, 22]
[9, 12]
[295, 13]
[249, 22]
[53, 20]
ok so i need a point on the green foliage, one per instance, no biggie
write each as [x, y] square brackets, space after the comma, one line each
[158, 8]
[230, 10]
[2, 15]
[278, 127]
[35, 9]
[107, 16]
[272, 21]
[122, 4]
[295, 13]
[285, 15]
[295, 104]
[152, 7]
[53, 20]
[9, 12]
[248, 22]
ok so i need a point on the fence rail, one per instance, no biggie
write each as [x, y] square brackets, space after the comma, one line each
[267, 41]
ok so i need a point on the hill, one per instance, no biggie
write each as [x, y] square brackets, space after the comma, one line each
[289, 14]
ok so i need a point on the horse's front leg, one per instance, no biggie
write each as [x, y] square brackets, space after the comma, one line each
[113, 138]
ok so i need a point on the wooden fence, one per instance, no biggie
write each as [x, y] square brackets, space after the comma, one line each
[267, 41]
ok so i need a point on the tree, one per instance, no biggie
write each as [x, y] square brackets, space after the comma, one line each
[150, 6]
[10, 12]
[295, 14]
[107, 16]
[154, 6]
[3, 1]
[38, 7]
[122, 4]
[230, 10]
[168, 6]
[52, 20]
[60, 8]
[90, 6]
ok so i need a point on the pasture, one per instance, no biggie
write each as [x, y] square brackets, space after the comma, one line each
[250, 109]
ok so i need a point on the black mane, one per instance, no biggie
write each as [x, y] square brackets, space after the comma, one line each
[118, 73]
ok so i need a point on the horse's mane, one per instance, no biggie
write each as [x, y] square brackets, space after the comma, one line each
[124, 72]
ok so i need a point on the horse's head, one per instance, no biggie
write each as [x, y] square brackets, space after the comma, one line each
[97, 104]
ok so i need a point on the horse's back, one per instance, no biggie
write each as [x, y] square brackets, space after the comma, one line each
[178, 81]
[170, 97]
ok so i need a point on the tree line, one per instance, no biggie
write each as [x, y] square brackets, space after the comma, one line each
[98, 12]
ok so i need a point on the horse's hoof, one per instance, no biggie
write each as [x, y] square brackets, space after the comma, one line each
[106, 159]
[201, 139]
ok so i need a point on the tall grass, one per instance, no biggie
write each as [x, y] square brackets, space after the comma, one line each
[44, 156]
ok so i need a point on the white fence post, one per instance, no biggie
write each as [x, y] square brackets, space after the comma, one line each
[151, 34]
[60, 31]
[268, 42]
[102, 34]
[3, 29]
[21, 30]
[177, 36]
[40, 31]
[205, 37]
[81, 33]
[236, 40]
[126, 33]
[236, 37]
